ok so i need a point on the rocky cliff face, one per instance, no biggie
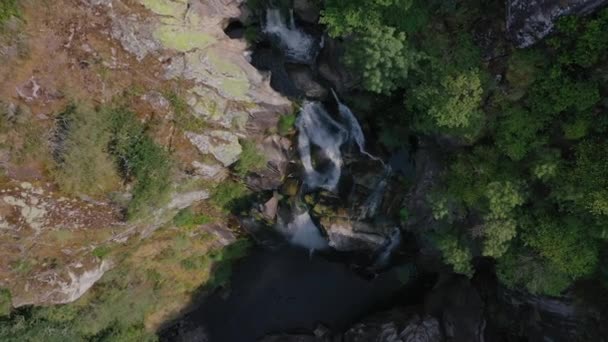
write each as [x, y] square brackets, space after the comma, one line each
[529, 21]
[91, 52]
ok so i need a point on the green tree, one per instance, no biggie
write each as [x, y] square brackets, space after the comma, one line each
[454, 253]
[517, 132]
[520, 268]
[452, 102]
[382, 57]
[566, 244]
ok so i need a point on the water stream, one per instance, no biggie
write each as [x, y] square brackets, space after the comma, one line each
[296, 44]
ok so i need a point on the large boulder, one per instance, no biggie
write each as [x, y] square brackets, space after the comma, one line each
[395, 326]
[528, 21]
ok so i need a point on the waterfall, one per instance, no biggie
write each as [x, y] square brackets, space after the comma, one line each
[317, 127]
[297, 45]
[356, 133]
[304, 233]
[373, 202]
[391, 244]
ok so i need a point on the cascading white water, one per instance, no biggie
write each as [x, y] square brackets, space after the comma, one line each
[304, 233]
[356, 133]
[386, 251]
[373, 202]
[317, 127]
[296, 44]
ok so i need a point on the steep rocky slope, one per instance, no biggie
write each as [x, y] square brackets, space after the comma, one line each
[91, 53]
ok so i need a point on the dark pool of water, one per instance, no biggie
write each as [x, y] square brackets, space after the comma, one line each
[287, 291]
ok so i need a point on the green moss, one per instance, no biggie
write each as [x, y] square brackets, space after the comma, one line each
[173, 8]
[182, 39]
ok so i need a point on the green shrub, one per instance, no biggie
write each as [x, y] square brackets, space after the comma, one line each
[101, 251]
[229, 194]
[223, 261]
[5, 302]
[251, 159]
[8, 9]
[186, 218]
[184, 118]
[287, 123]
[140, 158]
[83, 163]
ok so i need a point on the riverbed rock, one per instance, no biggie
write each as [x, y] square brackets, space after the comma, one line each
[346, 235]
[395, 326]
[307, 11]
[460, 308]
[529, 21]
[331, 66]
[303, 79]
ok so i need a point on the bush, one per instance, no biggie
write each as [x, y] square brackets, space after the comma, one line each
[251, 159]
[5, 302]
[9, 9]
[183, 117]
[186, 218]
[101, 251]
[286, 123]
[140, 158]
[228, 195]
[83, 163]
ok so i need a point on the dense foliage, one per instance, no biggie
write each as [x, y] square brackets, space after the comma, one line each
[526, 175]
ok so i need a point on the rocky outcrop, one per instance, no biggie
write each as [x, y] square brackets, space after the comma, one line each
[189, 39]
[44, 257]
[395, 326]
[346, 235]
[529, 21]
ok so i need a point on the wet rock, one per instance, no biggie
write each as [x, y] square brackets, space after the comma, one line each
[530, 21]
[307, 11]
[223, 145]
[275, 150]
[270, 208]
[304, 80]
[346, 235]
[395, 326]
[460, 308]
[223, 235]
[331, 66]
